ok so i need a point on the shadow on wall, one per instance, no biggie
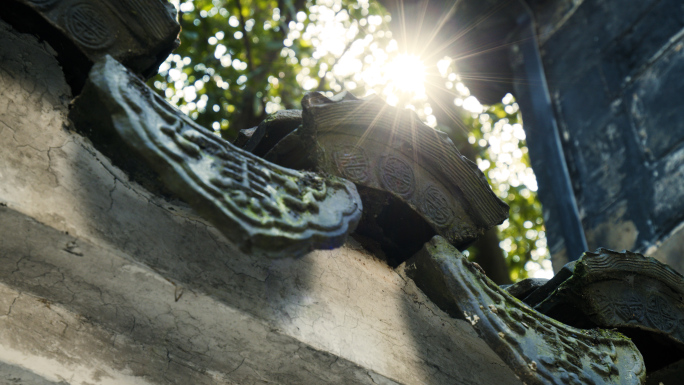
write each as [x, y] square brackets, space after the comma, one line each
[342, 305]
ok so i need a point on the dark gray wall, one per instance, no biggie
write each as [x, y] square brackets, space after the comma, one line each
[615, 73]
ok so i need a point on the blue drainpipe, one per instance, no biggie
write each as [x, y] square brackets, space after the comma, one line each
[543, 140]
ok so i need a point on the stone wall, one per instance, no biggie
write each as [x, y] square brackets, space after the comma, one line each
[102, 282]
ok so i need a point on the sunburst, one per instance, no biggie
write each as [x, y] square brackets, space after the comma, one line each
[406, 73]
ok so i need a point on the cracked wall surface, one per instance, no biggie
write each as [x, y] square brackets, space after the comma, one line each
[102, 282]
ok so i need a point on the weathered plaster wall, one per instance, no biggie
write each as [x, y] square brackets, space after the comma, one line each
[614, 74]
[103, 283]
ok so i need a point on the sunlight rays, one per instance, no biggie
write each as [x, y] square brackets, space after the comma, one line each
[417, 75]
[406, 74]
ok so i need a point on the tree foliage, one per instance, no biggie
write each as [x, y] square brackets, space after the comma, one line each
[242, 59]
[499, 141]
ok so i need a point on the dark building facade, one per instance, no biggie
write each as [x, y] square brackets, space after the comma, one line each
[614, 72]
[600, 87]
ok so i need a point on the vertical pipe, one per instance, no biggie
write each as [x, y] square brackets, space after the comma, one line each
[543, 139]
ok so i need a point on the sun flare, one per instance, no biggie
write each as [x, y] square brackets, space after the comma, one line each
[406, 74]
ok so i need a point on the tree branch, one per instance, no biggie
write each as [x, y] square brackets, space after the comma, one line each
[245, 37]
